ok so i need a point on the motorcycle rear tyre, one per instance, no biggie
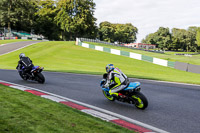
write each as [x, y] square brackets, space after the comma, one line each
[141, 99]
[40, 78]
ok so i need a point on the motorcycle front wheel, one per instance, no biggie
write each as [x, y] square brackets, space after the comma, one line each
[20, 73]
[108, 96]
[140, 100]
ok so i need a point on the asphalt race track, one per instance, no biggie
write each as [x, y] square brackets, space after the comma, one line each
[14, 46]
[172, 107]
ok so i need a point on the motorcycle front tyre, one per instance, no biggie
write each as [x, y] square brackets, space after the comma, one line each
[109, 97]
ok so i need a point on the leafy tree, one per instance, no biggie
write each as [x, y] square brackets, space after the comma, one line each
[149, 39]
[76, 18]
[46, 25]
[184, 39]
[106, 31]
[162, 38]
[178, 39]
[123, 33]
[192, 32]
[17, 13]
[198, 36]
[192, 29]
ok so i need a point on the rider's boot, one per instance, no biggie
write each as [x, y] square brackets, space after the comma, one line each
[114, 95]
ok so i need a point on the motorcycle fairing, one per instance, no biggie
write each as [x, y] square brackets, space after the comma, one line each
[132, 85]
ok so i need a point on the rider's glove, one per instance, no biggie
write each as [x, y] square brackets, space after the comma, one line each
[105, 85]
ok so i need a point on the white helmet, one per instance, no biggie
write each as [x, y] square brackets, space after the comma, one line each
[21, 55]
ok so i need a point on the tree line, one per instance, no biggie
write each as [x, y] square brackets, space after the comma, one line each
[62, 20]
[55, 19]
[177, 39]
[121, 33]
[68, 19]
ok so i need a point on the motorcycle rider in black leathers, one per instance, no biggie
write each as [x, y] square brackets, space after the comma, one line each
[25, 62]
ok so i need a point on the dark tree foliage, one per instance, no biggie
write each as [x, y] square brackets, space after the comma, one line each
[55, 19]
[45, 20]
[178, 39]
[76, 18]
[17, 14]
[198, 37]
[106, 31]
[122, 33]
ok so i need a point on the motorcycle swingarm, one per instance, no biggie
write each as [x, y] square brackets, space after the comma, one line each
[134, 101]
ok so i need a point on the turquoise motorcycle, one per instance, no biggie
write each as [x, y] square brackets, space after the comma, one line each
[131, 94]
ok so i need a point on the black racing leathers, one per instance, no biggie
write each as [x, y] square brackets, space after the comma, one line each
[25, 62]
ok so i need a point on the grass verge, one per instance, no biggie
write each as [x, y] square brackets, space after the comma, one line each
[195, 59]
[67, 57]
[22, 112]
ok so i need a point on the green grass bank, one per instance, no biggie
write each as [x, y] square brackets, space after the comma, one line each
[170, 56]
[67, 57]
[23, 112]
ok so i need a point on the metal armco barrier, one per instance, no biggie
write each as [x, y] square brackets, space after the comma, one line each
[193, 68]
[181, 66]
[187, 67]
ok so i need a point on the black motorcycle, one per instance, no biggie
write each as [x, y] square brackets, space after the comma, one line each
[35, 74]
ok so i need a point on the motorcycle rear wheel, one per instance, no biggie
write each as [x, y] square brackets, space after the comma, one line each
[109, 97]
[142, 102]
[40, 78]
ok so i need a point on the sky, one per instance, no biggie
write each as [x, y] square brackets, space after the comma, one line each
[149, 15]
